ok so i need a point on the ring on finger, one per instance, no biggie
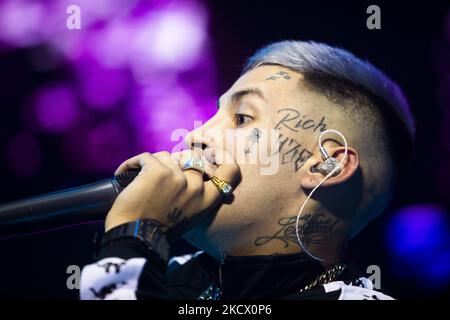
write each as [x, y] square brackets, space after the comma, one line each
[224, 187]
[194, 164]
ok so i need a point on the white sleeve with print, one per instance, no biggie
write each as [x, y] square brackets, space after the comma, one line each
[352, 292]
[111, 279]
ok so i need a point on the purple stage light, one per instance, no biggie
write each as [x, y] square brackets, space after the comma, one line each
[20, 22]
[56, 108]
[138, 70]
[158, 111]
[100, 87]
[108, 146]
[97, 148]
[171, 39]
[107, 44]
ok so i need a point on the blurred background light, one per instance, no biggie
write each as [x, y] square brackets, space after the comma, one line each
[418, 239]
[108, 145]
[170, 39]
[101, 87]
[56, 108]
[135, 72]
[20, 22]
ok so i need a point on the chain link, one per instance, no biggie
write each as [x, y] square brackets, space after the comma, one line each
[329, 275]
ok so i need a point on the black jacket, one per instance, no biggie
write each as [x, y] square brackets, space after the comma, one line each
[127, 269]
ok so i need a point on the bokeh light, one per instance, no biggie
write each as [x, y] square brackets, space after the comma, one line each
[56, 108]
[419, 242]
[135, 72]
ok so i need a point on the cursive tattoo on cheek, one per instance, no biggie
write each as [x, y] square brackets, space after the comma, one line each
[313, 229]
[290, 150]
[293, 121]
[253, 139]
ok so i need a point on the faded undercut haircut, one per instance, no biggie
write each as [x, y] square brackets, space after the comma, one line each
[375, 104]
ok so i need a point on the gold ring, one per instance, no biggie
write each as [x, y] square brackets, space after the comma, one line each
[194, 164]
[223, 186]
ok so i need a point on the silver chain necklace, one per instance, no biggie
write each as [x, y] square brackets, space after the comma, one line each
[329, 275]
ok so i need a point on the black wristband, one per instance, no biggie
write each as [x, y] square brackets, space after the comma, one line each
[147, 231]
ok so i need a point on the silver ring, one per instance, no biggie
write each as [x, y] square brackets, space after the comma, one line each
[194, 164]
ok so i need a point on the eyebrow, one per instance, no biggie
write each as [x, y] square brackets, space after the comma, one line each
[241, 93]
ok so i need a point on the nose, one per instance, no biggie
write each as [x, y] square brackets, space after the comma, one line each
[197, 139]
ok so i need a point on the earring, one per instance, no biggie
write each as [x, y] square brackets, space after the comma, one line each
[326, 167]
[329, 162]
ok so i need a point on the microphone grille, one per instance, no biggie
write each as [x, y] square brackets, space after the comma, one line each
[124, 179]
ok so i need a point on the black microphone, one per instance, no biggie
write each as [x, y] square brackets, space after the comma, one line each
[76, 205]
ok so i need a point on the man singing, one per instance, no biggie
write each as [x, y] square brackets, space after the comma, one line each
[338, 122]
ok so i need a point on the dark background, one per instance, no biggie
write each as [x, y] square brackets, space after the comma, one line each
[410, 47]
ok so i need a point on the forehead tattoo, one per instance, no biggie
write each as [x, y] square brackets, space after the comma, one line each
[280, 75]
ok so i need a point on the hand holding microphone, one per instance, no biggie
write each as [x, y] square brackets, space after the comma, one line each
[170, 189]
[162, 191]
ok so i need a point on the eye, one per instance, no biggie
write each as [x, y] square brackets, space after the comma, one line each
[241, 119]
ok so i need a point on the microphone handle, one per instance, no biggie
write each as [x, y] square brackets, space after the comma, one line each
[77, 205]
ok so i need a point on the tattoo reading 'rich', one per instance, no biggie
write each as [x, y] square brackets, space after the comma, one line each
[253, 138]
[280, 75]
[313, 229]
[292, 152]
[293, 121]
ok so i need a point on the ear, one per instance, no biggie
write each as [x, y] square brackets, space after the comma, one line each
[348, 168]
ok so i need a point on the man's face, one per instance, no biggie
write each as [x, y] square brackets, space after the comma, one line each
[270, 124]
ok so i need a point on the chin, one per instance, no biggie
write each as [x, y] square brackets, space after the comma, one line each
[217, 232]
